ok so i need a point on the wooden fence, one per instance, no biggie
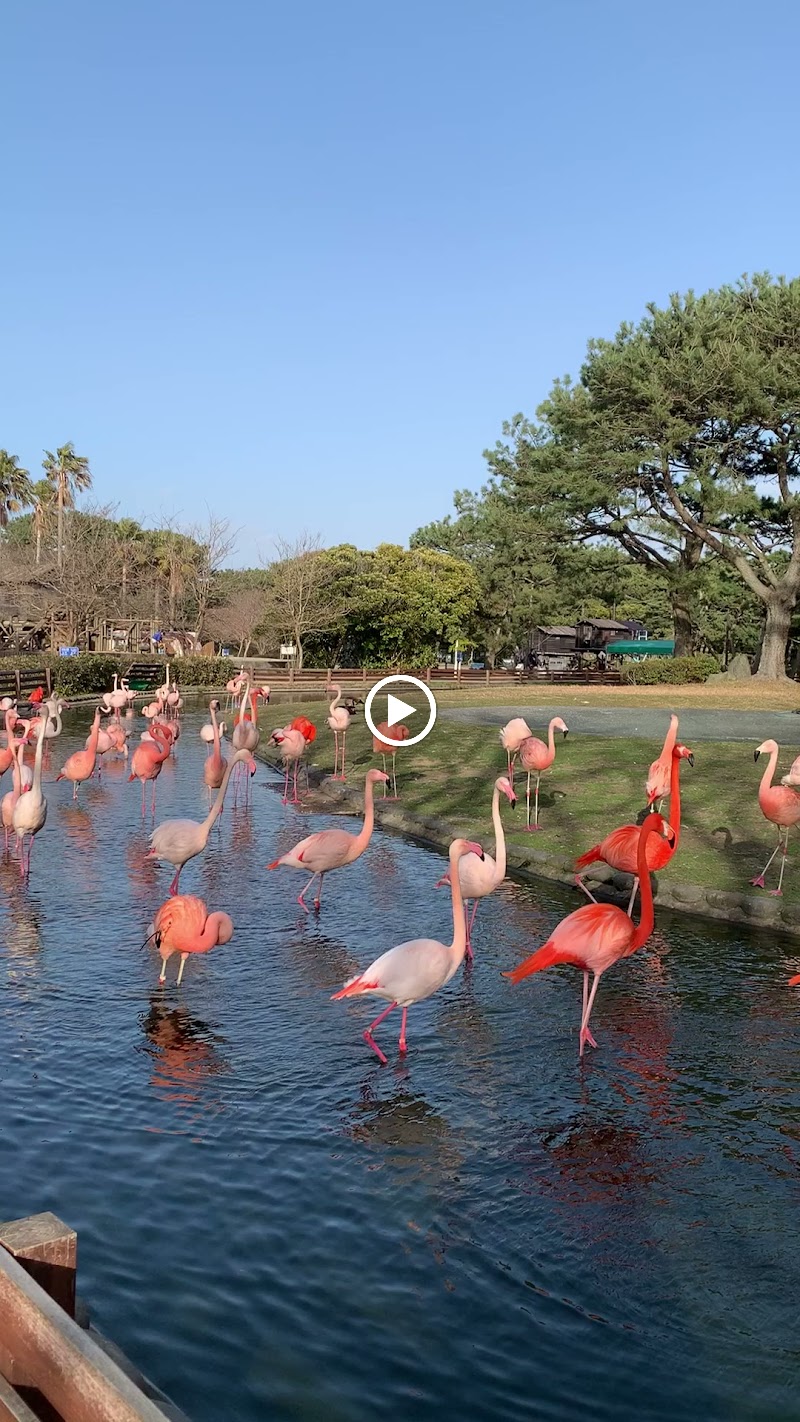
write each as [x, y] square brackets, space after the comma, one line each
[360, 679]
[52, 1368]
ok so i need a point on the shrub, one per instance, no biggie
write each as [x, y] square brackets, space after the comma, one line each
[669, 671]
[94, 671]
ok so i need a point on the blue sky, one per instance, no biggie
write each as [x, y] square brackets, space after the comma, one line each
[299, 261]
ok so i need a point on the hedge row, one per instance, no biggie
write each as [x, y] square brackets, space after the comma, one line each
[94, 672]
[672, 671]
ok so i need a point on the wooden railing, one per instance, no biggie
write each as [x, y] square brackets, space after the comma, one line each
[361, 678]
[51, 1368]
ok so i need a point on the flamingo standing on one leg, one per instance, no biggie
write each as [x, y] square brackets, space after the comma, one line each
[332, 848]
[415, 970]
[215, 763]
[80, 765]
[620, 848]
[147, 760]
[598, 935]
[781, 805]
[395, 735]
[30, 811]
[184, 925]
[512, 735]
[338, 720]
[178, 841]
[480, 874]
[535, 755]
[660, 772]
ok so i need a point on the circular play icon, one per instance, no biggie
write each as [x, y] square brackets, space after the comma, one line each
[398, 710]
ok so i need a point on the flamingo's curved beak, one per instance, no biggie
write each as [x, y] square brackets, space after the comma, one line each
[565, 734]
[756, 754]
[690, 758]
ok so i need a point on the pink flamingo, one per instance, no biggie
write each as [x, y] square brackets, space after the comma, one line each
[620, 848]
[660, 773]
[184, 925]
[293, 742]
[146, 763]
[10, 799]
[246, 735]
[332, 848]
[339, 721]
[480, 874]
[80, 765]
[216, 764]
[30, 811]
[598, 935]
[7, 752]
[781, 805]
[152, 710]
[535, 755]
[512, 735]
[415, 970]
[793, 777]
[177, 841]
[397, 733]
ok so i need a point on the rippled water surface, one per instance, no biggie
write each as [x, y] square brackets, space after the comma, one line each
[275, 1226]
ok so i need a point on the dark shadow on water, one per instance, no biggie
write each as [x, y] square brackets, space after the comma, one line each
[185, 1052]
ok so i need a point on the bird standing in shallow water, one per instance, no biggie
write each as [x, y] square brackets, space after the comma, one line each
[781, 805]
[598, 935]
[184, 925]
[178, 841]
[80, 765]
[332, 848]
[480, 874]
[415, 970]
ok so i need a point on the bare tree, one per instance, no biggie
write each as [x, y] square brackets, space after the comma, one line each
[301, 600]
[215, 541]
[238, 618]
[87, 581]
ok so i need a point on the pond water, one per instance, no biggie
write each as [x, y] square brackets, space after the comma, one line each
[272, 1225]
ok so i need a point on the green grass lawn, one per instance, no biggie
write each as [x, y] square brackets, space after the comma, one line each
[594, 785]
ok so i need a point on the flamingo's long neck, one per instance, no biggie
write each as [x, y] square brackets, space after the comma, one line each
[675, 799]
[36, 787]
[16, 772]
[499, 838]
[647, 915]
[364, 835]
[220, 796]
[243, 703]
[93, 738]
[551, 743]
[215, 724]
[337, 698]
[458, 947]
[670, 739]
[766, 779]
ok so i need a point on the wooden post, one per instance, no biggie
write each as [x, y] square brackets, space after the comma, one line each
[16, 676]
[48, 1250]
[488, 676]
[428, 675]
[49, 675]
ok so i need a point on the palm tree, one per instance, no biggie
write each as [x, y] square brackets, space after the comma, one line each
[43, 492]
[67, 472]
[16, 490]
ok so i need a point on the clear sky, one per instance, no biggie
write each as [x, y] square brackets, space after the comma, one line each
[299, 261]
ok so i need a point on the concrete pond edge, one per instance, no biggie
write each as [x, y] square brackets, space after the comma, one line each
[751, 911]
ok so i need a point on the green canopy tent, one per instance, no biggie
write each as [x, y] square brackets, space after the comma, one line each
[647, 647]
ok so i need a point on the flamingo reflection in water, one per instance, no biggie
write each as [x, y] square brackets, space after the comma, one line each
[184, 1050]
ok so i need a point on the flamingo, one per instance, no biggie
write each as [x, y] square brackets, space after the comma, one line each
[598, 935]
[660, 773]
[415, 970]
[338, 720]
[479, 874]
[397, 733]
[151, 710]
[118, 697]
[293, 742]
[80, 765]
[7, 751]
[10, 799]
[781, 805]
[535, 755]
[53, 707]
[30, 811]
[177, 841]
[512, 735]
[793, 778]
[620, 848]
[146, 763]
[332, 848]
[215, 764]
[184, 925]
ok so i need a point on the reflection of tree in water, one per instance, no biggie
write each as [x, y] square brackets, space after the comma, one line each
[184, 1052]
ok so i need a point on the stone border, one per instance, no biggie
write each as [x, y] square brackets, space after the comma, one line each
[748, 910]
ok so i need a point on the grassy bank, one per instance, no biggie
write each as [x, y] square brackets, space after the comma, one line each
[595, 785]
[736, 696]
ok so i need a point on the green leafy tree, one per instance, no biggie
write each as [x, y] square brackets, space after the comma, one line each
[68, 473]
[16, 489]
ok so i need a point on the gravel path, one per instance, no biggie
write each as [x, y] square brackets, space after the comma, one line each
[645, 723]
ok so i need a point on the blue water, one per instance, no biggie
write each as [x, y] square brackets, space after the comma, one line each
[272, 1225]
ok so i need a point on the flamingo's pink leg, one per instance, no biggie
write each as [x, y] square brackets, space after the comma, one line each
[318, 899]
[585, 1034]
[301, 897]
[153, 799]
[383, 758]
[584, 888]
[286, 785]
[335, 775]
[778, 893]
[759, 881]
[75, 790]
[402, 1044]
[368, 1038]
[173, 888]
[632, 899]
[343, 776]
[467, 925]
[394, 774]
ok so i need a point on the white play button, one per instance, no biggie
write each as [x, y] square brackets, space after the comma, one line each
[398, 709]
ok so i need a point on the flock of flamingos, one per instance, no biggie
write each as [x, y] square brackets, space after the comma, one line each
[592, 938]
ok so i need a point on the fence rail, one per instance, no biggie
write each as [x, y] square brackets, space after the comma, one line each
[361, 678]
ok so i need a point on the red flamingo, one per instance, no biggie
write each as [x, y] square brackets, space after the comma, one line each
[621, 846]
[535, 755]
[80, 765]
[293, 742]
[598, 935]
[184, 925]
[397, 733]
[781, 805]
[147, 760]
